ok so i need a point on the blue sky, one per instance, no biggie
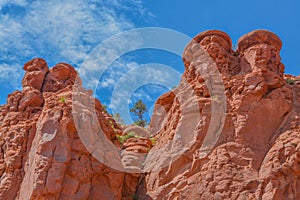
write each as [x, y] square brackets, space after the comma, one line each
[67, 31]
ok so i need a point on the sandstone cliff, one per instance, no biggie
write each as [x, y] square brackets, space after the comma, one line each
[42, 156]
[254, 151]
[230, 130]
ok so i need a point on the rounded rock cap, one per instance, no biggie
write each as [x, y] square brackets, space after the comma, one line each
[64, 71]
[35, 64]
[259, 37]
[219, 33]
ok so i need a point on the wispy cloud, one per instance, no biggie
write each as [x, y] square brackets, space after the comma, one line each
[14, 2]
[114, 73]
[146, 82]
[9, 74]
[59, 31]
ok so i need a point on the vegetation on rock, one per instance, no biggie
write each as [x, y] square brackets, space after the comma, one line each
[138, 110]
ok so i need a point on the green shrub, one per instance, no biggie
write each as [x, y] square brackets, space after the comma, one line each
[113, 127]
[62, 99]
[290, 81]
[124, 138]
[153, 141]
[104, 109]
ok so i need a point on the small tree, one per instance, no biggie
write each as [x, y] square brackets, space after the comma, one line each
[138, 111]
[118, 119]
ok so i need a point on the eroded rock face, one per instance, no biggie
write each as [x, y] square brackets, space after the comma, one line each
[60, 76]
[36, 71]
[230, 130]
[139, 131]
[42, 155]
[257, 153]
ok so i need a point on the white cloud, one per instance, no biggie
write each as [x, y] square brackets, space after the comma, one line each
[144, 82]
[114, 73]
[9, 76]
[142, 95]
[72, 27]
[58, 31]
[15, 2]
[109, 53]
[108, 82]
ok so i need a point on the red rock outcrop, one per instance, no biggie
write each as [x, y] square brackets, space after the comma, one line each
[257, 153]
[42, 155]
[139, 131]
[134, 151]
[230, 130]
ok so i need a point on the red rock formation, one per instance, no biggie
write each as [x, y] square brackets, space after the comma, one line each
[42, 156]
[257, 155]
[133, 155]
[230, 130]
[139, 131]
